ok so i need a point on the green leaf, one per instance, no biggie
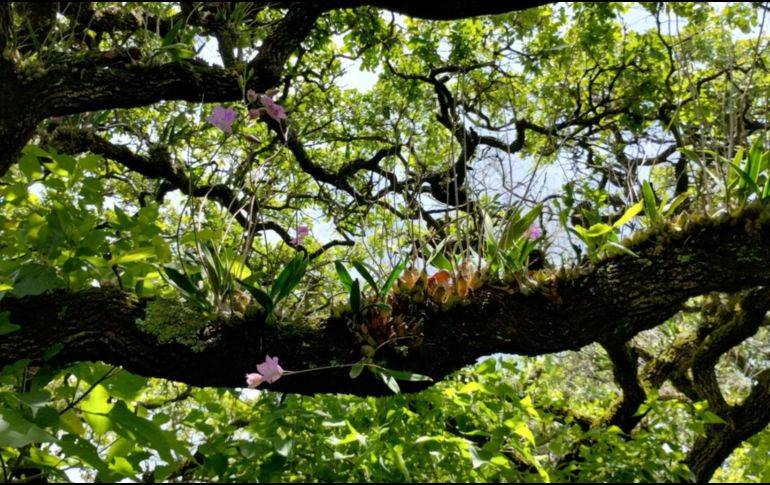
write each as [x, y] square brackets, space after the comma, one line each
[355, 298]
[35, 279]
[95, 408]
[344, 276]
[145, 432]
[678, 200]
[262, 297]
[51, 351]
[650, 202]
[181, 281]
[283, 446]
[476, 459]
[85, 452]
[29, 164]
[367, 276]
[630, 214]
[173, 34]
[596, 230]
[441, 262]
[619, 247]
[397, 455]
[16, 431]
[733, 177]
[747, 181]
[711, 418]
[6, 326]
[35, 400]
[517, 226]
[62, 165]
[754, 160]
[436, 252]
[213, 268]
[238, 269]
[522, 430]
[295, 277]
[356, 370]
[134, 255]
[393, 277]
[402, 375]
[389, 381]
[288, 278]
[766, 190]
[125, 385]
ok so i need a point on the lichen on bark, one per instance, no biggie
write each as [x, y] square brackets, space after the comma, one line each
[174, 321]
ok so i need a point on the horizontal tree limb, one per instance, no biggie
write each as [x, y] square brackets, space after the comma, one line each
[612, 299]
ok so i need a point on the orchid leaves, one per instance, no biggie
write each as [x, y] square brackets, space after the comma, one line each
[286, 281]
[210, 283]
[602, 237]
[353, 287]
[517, 239]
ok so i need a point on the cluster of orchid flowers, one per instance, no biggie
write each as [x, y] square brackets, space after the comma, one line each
[269, 371]
[223, 118]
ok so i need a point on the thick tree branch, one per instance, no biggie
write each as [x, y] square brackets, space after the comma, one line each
[64, 89]
[614, 299]
[439, 10]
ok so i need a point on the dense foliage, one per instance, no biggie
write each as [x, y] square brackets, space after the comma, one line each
[481, 241]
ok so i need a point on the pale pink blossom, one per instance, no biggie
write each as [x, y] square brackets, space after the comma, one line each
[273, 109]
[270, 370]
[534, 232]
[223, 119]
[251, 95]
[302, 233]
[253, 380]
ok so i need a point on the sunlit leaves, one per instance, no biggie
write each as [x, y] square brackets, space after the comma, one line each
[598, 91]
[35, 279]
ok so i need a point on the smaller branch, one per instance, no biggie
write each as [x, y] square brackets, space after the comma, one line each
[187, 392]
[742, 422]
[371, 164]
[742, 322]
[625, 369]
[158, 165]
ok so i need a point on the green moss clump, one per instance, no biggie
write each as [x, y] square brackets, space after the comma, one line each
[174, 321]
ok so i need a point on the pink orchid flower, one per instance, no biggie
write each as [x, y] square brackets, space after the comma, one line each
[534, 232]
[251, 95]
[270, 369]
[273, 109]
[254, 379]
[223, 119]
[302, 233]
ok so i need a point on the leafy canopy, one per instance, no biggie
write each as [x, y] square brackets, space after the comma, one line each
[296, 167]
